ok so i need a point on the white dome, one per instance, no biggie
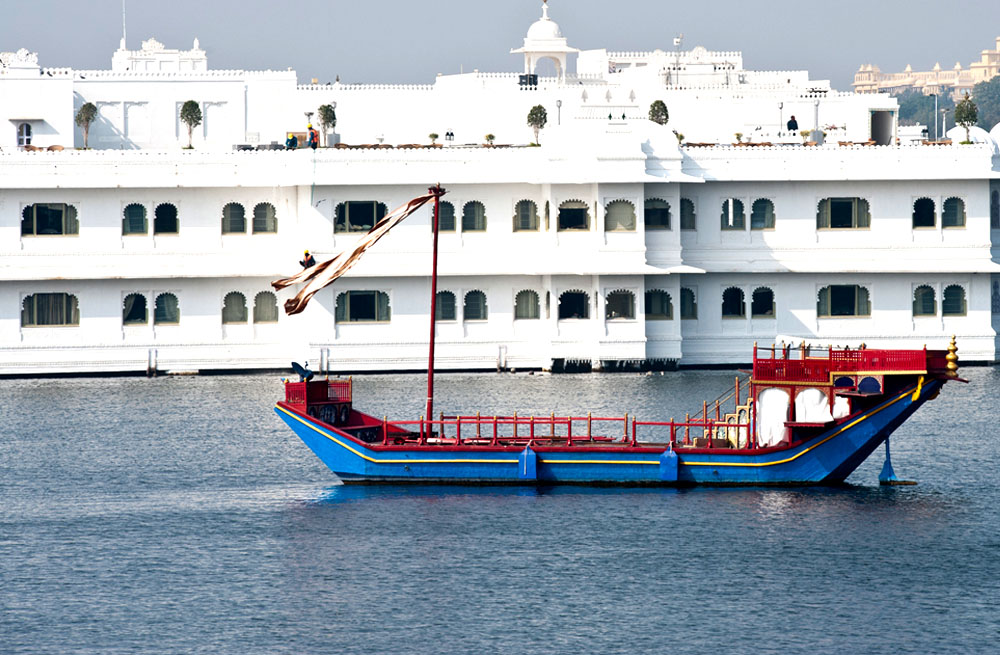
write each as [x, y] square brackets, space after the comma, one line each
[544, 29]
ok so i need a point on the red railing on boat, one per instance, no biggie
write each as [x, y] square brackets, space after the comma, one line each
[804, 364]
[318, 391]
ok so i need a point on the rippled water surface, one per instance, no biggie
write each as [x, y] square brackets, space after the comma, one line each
[178, 515]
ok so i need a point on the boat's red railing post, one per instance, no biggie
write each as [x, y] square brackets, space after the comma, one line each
[479, 425]
[569, 430]
[515, 425]
[737, 391]
[495, 434]
[687, 428]
[673, 433]
[531, 430]
[552, 426]
[437, 191]
[385, 430]
[633, 429]
[420, 439]
[458, 430]
[590, 422]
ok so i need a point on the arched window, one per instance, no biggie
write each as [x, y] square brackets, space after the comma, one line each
[444, 306]
[574, 304]
[165, 219]
[954, 213]
[50, 309]
[658, 306]
[924, 302]
[474, 217]
[234, 308]
[656, 214]
[619, 305]
[953, 301]
[265, 307]
[134, 310]
[234, 219]
[733, 303]
[363, 306]
[446, 217]
[689, 305]
[134, 219]
[762, 215]
[166, 310]
[358, 215]
[619, 216]
[475, 306]
[843, 300]
[995, 210]
[24, 135]
[525, 216]
[762, 303]
[526, 305]
[49, 219]
[265, 221]
[573, 215]
[733, 217]
[687, 214]
[843, 214]
[923, 213]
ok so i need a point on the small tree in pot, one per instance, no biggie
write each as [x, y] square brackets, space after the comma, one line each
[327, 121]
[966, 115]
[537, 118]
[84, 117]
[191, 116]
[658, 112]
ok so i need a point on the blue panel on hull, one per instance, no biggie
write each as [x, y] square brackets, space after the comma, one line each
[668, 466]
[527, 465]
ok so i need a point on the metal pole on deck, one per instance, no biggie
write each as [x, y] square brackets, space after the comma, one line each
[437, 191]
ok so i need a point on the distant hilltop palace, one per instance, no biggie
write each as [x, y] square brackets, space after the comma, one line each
[769, 208]
[956, 81]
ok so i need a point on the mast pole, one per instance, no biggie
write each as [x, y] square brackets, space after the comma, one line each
[437, 191]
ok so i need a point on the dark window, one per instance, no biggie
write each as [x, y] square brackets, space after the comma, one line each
[953, 302]
[843, 300]
[656, 214]
[843, 213]
[526, 305]
[264, 219]
[234, 308]
[444, 306]
[265, 308]
[954, 213]
[134, 219]
[762, 215]
[166, 310]
[134, 311]
[446, 218]
[573, 215]
[50, 309]
[762, 303]
[165, 219]
[619, 305]
[49, 219]
[358, 215]
[733, 217]
[234, 219]
[924, 302]
[658, 306]
[574, 304]
[923, 213]
[24, 134]
[619, 216]
[995, 210]
[475, 306]
[525, 216]
[687, 215]
[689, 305]
[363, 306]
[474, 217]
[733, 303]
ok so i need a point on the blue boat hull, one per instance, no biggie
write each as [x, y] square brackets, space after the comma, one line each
[827, 458]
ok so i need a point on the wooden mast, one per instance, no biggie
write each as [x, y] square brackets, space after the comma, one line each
[437, 192]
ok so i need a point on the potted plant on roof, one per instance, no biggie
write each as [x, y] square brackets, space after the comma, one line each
[190, 116]
[84, 117]
[490, 138]
[966, 115]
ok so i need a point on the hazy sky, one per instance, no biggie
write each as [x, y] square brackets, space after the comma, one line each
[409, 41]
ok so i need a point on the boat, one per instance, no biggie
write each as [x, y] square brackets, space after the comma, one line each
[805, 416]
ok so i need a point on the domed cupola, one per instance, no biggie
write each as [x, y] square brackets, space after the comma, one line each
[545, 41]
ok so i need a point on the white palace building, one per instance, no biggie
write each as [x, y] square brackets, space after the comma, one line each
[618, 240]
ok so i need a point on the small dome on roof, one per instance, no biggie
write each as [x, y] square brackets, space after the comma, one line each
[544, 28]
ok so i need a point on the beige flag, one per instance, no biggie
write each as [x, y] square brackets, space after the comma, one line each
[321, 275]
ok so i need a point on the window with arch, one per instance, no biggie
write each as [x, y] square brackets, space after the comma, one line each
[689, 305]
[953, 301]
[363, 307]
[49, 219]
[165, 219]
[656, 214]
[733, 303]
[619, 216]
[50, 310]
[762, 214]
[234, 308]
[234, 220]
[525, 216]
[924, 213]
[573, 215]
[134, 310]
[619, 305]
[265, 220]
[843, 214]
[474, 217]
[733, 216]
[134, 219]
[166, 310]
[446, 217]
[474, 308]
[688, 221]
[358, 215]
[265, 307]
[526, 306]
[843, 300]
[658, 306]
[444, 306]
[953, 213]
[24, 135]
[995, 210]
[762, 303]
[574, 304]
[924, 301]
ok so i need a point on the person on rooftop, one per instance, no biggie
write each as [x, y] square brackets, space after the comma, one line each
[308, 260]
[292, 142]
[793, 125]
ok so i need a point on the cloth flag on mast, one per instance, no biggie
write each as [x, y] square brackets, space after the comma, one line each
[323, 274]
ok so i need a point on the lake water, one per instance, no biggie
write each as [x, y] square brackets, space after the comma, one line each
[179, 515]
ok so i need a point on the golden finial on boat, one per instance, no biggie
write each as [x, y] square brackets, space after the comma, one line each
[952, 358]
